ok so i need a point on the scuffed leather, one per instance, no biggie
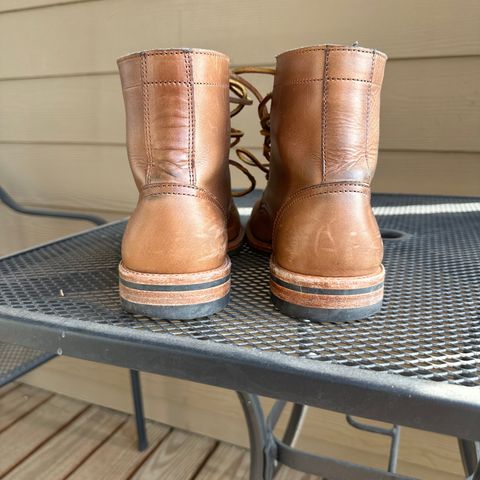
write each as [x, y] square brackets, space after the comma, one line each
[324, 137]
[328, 231]
[168, 234]
[178, 125]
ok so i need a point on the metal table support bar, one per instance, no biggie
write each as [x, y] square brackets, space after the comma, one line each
[393, 433]
[295, 423]
[329, 467]
[268, 453]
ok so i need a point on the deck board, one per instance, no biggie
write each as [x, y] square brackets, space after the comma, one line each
[57, 458]
[31, 431]
[118, 458]
[7, 388]
[227, 461]
[48, 436]
[180, 455]
[19, 402]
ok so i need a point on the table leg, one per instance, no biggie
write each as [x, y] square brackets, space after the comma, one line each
[262, 451]
[470, 454]
[138, 407]
[263, 446]
[295, 423]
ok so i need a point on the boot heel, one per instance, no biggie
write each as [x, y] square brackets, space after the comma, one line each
[326, 299]
[175, 296]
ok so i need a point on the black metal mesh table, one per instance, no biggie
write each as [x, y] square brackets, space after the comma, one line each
[417, 362]
[16, 360]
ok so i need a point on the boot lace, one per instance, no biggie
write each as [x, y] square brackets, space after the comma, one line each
[240, 88]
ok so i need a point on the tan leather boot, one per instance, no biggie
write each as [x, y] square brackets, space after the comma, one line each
[315, 212]
[174, 251]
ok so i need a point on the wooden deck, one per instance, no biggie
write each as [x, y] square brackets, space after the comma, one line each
[45, 436]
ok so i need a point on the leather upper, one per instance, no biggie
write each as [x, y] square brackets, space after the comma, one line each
[324, 135]
[178, 125]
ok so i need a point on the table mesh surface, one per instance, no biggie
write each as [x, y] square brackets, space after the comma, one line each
[429, 326]
[16, 360]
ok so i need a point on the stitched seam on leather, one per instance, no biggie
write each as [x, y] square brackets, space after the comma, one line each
[292, 202]
[205, 193]
[182, 82]
[301, 81]
[172, 184]
[331, 49]
[172, 52]
[189, 75]
[179, 185]
[192, 104]
[185, 59]
[205, 197]
[146, 119]
[176, 82]
[304, 190]
[324, 116]
[183, 52]
[367, 126]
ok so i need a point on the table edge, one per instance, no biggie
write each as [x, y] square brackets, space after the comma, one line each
[419, 403]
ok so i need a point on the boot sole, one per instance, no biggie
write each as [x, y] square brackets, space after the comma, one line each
[175, 296]
[326, 299]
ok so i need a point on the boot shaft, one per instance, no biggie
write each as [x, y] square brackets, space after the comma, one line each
[325, 114]
[177, 116]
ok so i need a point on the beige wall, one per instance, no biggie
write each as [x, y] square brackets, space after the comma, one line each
[62, 138]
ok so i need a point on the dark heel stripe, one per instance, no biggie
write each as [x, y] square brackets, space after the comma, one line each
[325, 291]
[175, 288]
[176, 312]
[325, 314]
